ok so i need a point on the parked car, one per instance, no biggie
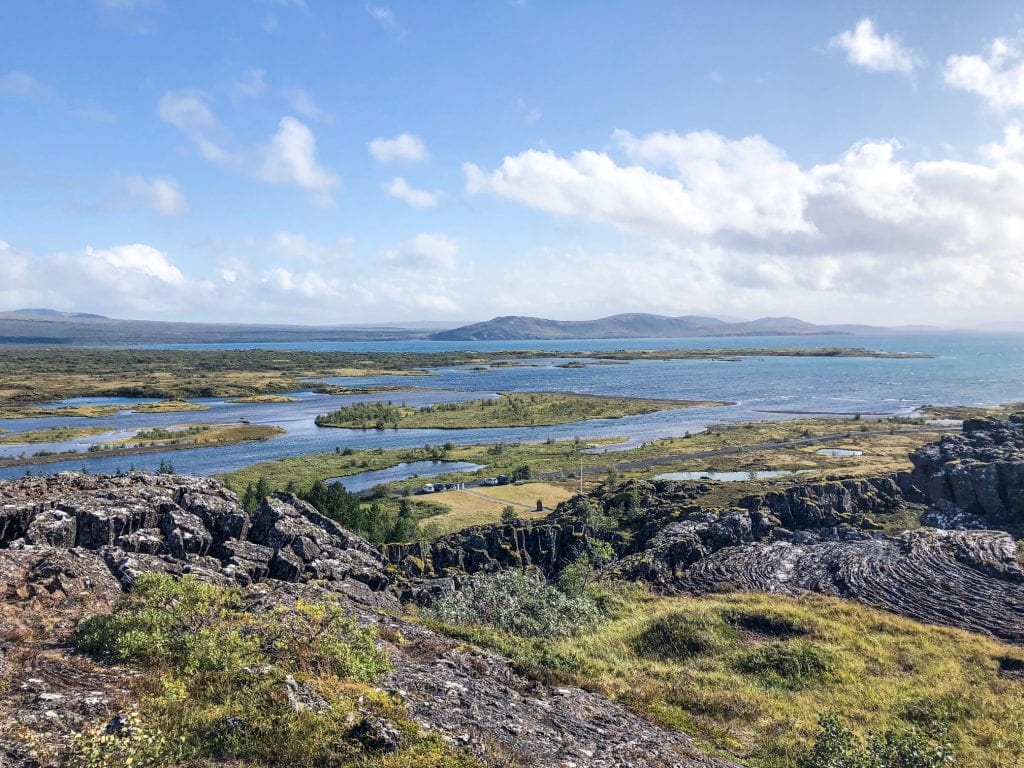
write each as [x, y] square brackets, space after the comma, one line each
[428, 488]
[503, 479]
[491, 481]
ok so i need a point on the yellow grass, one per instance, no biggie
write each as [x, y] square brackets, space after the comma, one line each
[479, 506]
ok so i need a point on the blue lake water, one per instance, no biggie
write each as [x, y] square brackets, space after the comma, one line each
[967, 369]
[364, 481]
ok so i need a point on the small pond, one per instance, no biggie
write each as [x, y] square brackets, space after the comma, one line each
[729, 477]
[364, 481]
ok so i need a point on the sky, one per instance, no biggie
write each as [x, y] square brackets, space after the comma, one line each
[335, 162]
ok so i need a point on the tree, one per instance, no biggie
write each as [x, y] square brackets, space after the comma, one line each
[508, 514]
[522, 473]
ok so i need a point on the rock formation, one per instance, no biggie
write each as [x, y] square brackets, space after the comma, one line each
[70, 543]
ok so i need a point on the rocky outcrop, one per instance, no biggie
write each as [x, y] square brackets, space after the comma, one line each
[965, 579]
[545, 545]
[473, 698]
[979, 472]
[142, 522]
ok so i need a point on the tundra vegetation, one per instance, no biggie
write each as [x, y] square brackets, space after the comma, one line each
[524, 410]
[32, 375]
[224, 681]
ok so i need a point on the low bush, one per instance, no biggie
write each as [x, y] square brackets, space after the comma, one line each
[680, 636]
[263, 687]
[791, 664]
[837, 747]
[518, 603]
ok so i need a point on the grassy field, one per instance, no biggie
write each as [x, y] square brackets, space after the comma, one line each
[264, 399]
[189, 436]
[480, 506]
[36, 374]
[198, 434]
[561, 459]
[525, 410]
[52, 435]
[101, 411]
[752, 673]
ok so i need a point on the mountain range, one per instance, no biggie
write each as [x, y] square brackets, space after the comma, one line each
[639, 326]
[50, 326]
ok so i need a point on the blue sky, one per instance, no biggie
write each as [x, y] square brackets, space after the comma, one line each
[336, 162]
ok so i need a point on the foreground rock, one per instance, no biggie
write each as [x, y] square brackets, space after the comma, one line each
[70, 544]
[975, 479]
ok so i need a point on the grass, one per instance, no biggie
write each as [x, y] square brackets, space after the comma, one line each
[30, 375]
[199, 434]
[218, 681]
[481, 506]
[101, 411]
[560, 459]
[52, 435]
[264, 399]
[750, 674]
[525, 410]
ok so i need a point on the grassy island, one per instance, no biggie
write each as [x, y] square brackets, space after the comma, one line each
[526, 410]
[31, 375]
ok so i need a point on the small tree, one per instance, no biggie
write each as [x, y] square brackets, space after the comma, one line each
[508, 513]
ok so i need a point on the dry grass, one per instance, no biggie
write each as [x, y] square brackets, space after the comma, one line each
[480, 506]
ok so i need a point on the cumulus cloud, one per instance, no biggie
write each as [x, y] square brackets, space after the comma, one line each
[997, 77]
[426, 251]
[129, 262]
[866, 48]
[418, 198]
[290, 158]
[163, 195]
[403, 147]
[738, 211]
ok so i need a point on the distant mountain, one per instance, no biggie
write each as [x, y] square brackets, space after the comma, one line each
[49, 326]
[638, 326]
[43, 312]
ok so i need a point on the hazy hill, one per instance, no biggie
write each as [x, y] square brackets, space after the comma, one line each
[47, 326]
[637, 326]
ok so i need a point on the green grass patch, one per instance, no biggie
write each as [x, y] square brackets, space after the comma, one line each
[525, 410]
[751, 674]
[224, 683]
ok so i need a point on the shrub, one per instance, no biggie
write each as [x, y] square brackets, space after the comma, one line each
[680, 636]
[837, 747]
[518, 603]
[789, 664]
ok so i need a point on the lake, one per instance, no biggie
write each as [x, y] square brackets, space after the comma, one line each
[967, 369]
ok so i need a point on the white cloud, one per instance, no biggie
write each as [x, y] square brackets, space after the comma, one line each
[163, 195]
[404, 146]
[310, 285]
[418, 198]
[23, 85]
[290, 158]
[531, 114]
[998, 77]
[130, 262]
[296, 246]
[425, 252]
[189, 113]
[742, 220]
[866, 48]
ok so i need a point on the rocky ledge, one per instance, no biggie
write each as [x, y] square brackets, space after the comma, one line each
[70, 544]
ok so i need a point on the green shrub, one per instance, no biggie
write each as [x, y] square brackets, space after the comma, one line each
[680, 636]
[518, 603]
[792, 664]
[837, 747]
